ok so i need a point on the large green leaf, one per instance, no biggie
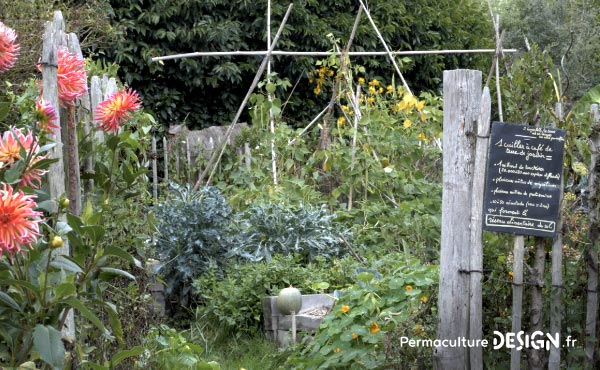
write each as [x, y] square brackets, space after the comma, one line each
[115, 321]
[64, 263]
[113, 271]
[112, 250]
[47, 342]
[88, 314]
[125, 354]
[589, 98]
[7, 300]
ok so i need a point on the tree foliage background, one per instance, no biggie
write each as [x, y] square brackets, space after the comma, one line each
[568, 31]
[207, 91]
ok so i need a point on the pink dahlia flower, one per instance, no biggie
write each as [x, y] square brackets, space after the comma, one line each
[45, 116]
[18, 220]
[11, 144]
[9, 49]
[117, 108]
[72, 77]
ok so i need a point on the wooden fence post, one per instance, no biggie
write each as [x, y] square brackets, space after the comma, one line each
[476, 261]
[462, 100]
[154, 171]
[56, 175]
[557, 280]
[517, 296]
[165, 160]
[74, 176]
[591, 257]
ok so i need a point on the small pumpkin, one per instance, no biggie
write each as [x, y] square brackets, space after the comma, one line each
[289, 300]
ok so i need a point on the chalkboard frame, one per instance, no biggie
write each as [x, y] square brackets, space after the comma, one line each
[523, 179]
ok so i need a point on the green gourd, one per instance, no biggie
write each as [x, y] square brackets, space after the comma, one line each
[289, 300]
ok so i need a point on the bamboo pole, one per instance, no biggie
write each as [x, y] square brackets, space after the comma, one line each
[217, 154]
[270, 98]
[476, 255]
[387, 49]
[324, 139]
[357, 116]
[325, 53]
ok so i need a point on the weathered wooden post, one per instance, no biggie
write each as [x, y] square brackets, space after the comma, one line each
[165, 160]
[56, 176]
[74, 177]
[591, 257]
[462, 100]
[557, 280]
[154, 171]
[476, 261]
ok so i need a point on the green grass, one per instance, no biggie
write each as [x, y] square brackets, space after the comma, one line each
[254, 352]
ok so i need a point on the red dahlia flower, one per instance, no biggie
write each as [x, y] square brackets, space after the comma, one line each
[18, 220]
[9, 49]
[117, 108]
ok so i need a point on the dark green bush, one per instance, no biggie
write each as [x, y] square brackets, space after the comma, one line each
[192, 238]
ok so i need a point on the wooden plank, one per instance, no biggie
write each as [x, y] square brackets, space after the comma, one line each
[476, 261]
[462, 100]
[95, 98]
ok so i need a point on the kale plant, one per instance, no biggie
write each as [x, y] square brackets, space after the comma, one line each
[192, 238]
[304, 231]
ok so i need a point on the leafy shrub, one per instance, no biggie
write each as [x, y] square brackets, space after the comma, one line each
[353, 334]
[166, 348]
[304, 231]
[235, 302]
[193, 237]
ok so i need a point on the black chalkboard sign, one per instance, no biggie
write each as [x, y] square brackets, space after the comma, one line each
[523, 179]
